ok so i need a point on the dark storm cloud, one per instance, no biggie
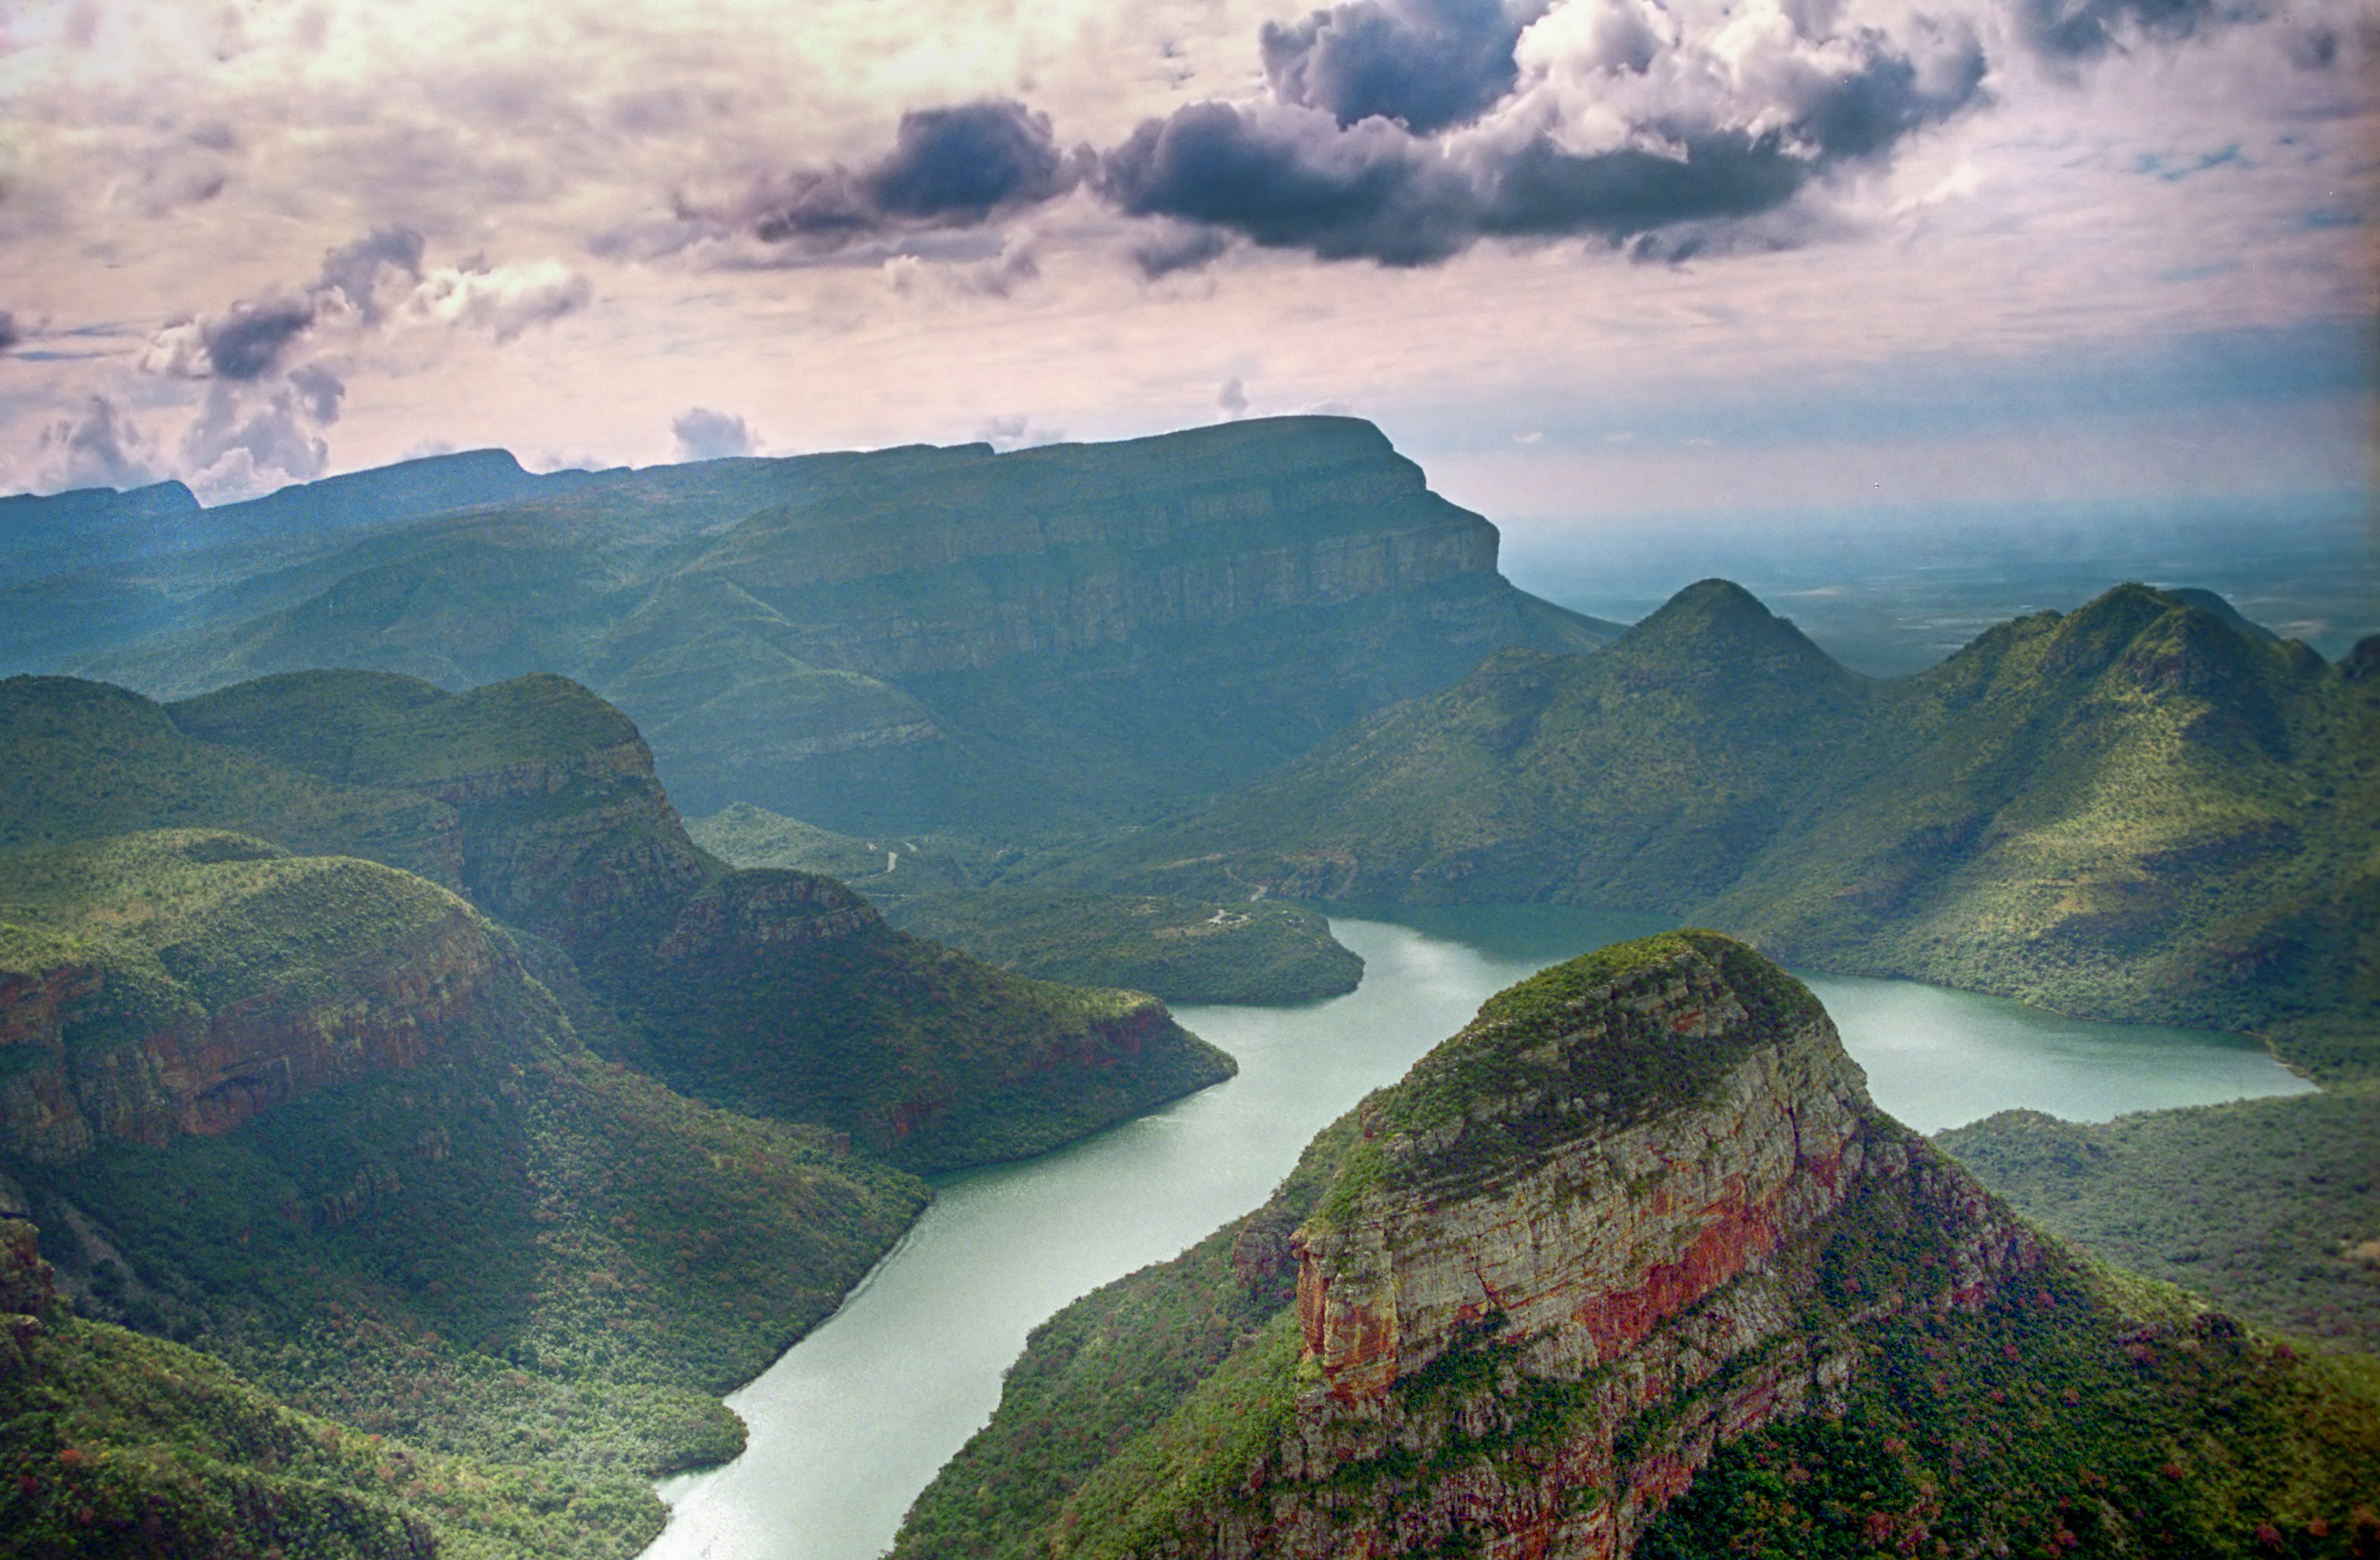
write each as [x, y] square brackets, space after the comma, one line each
[1425, 64]
[1294, 178]
[948, 167]
[354, 271]
[1290, 177]
[247, 340]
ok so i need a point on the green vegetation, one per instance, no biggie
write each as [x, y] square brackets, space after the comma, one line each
[1527, 1041]
[84, 760]
[2054, 1422]
[2135, 810]
[115, 1443]
[1112, 1365]
[927, 1056]
[1081, 635]
[1184, 950]
[2271, 1208]
[179, 923]
[956, 890]
[326, 1121]
[2081, 1408]
[536, 800]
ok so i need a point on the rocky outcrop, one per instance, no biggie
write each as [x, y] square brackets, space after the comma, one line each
[82, 1068]
[1578, 1248]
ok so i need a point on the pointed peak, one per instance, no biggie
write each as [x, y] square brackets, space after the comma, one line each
[1717, 619]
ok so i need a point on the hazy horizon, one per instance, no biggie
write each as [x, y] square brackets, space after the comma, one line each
[1581, 259]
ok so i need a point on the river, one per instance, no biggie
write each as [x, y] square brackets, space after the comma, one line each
[853, 1421]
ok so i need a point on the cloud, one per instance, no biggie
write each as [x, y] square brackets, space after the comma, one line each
[11, 335]
[1625, 117]
[356, 271]
[705, 435]
[248, 440]
[503, 300]
[1232, 399]
[363, 284]
[2063, 29]
[1005, 433]
[246, 341]
[1424, 64]
[948, 167]
[102, 446]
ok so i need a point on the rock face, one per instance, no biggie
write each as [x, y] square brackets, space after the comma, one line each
[537, 801]
[145, 1038]
[1580, 1246]
[915, 638]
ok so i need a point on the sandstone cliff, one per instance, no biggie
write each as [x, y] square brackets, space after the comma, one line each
[1569, 1254]
[181, 983]
[537, 803]
[1637, 1228]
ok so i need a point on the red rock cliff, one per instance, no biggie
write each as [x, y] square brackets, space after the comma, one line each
[1638, 1254]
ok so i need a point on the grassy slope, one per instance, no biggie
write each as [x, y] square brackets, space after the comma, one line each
[2132, 811]
[2269, 1206]
[1160, 1389]
[517, 1252]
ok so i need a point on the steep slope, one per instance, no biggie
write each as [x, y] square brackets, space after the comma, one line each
[2271, 1208]
[1649, 775]
[2135, 810]
[910, 638]
[1632, 1265]
[114, 1442]
[782, 992]
[313, 1114]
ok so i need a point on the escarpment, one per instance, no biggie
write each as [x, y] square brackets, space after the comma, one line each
[913, 637]
[215, 979]
[1573, 1250]
[539, 804]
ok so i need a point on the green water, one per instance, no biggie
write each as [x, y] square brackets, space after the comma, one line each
[849, 1425]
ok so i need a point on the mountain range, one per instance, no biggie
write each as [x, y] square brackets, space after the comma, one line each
[410, 1125]
[2145, 808]
[911, 638]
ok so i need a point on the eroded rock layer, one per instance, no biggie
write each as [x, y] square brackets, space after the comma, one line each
[1577, 1249]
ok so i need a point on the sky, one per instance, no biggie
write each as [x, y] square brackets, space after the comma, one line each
[1585, 260]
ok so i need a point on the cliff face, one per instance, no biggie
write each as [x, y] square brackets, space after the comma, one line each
[964, 565]
[911, 639]
[144, 1029]
[782, 990]
[1583, 1244]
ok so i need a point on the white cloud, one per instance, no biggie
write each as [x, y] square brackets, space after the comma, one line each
[501, 301]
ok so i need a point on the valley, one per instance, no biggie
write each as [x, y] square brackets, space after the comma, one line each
[489, 962]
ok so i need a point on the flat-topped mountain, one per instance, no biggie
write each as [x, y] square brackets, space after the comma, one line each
[2138, 810]
[910, 637]
[1632, 1266]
